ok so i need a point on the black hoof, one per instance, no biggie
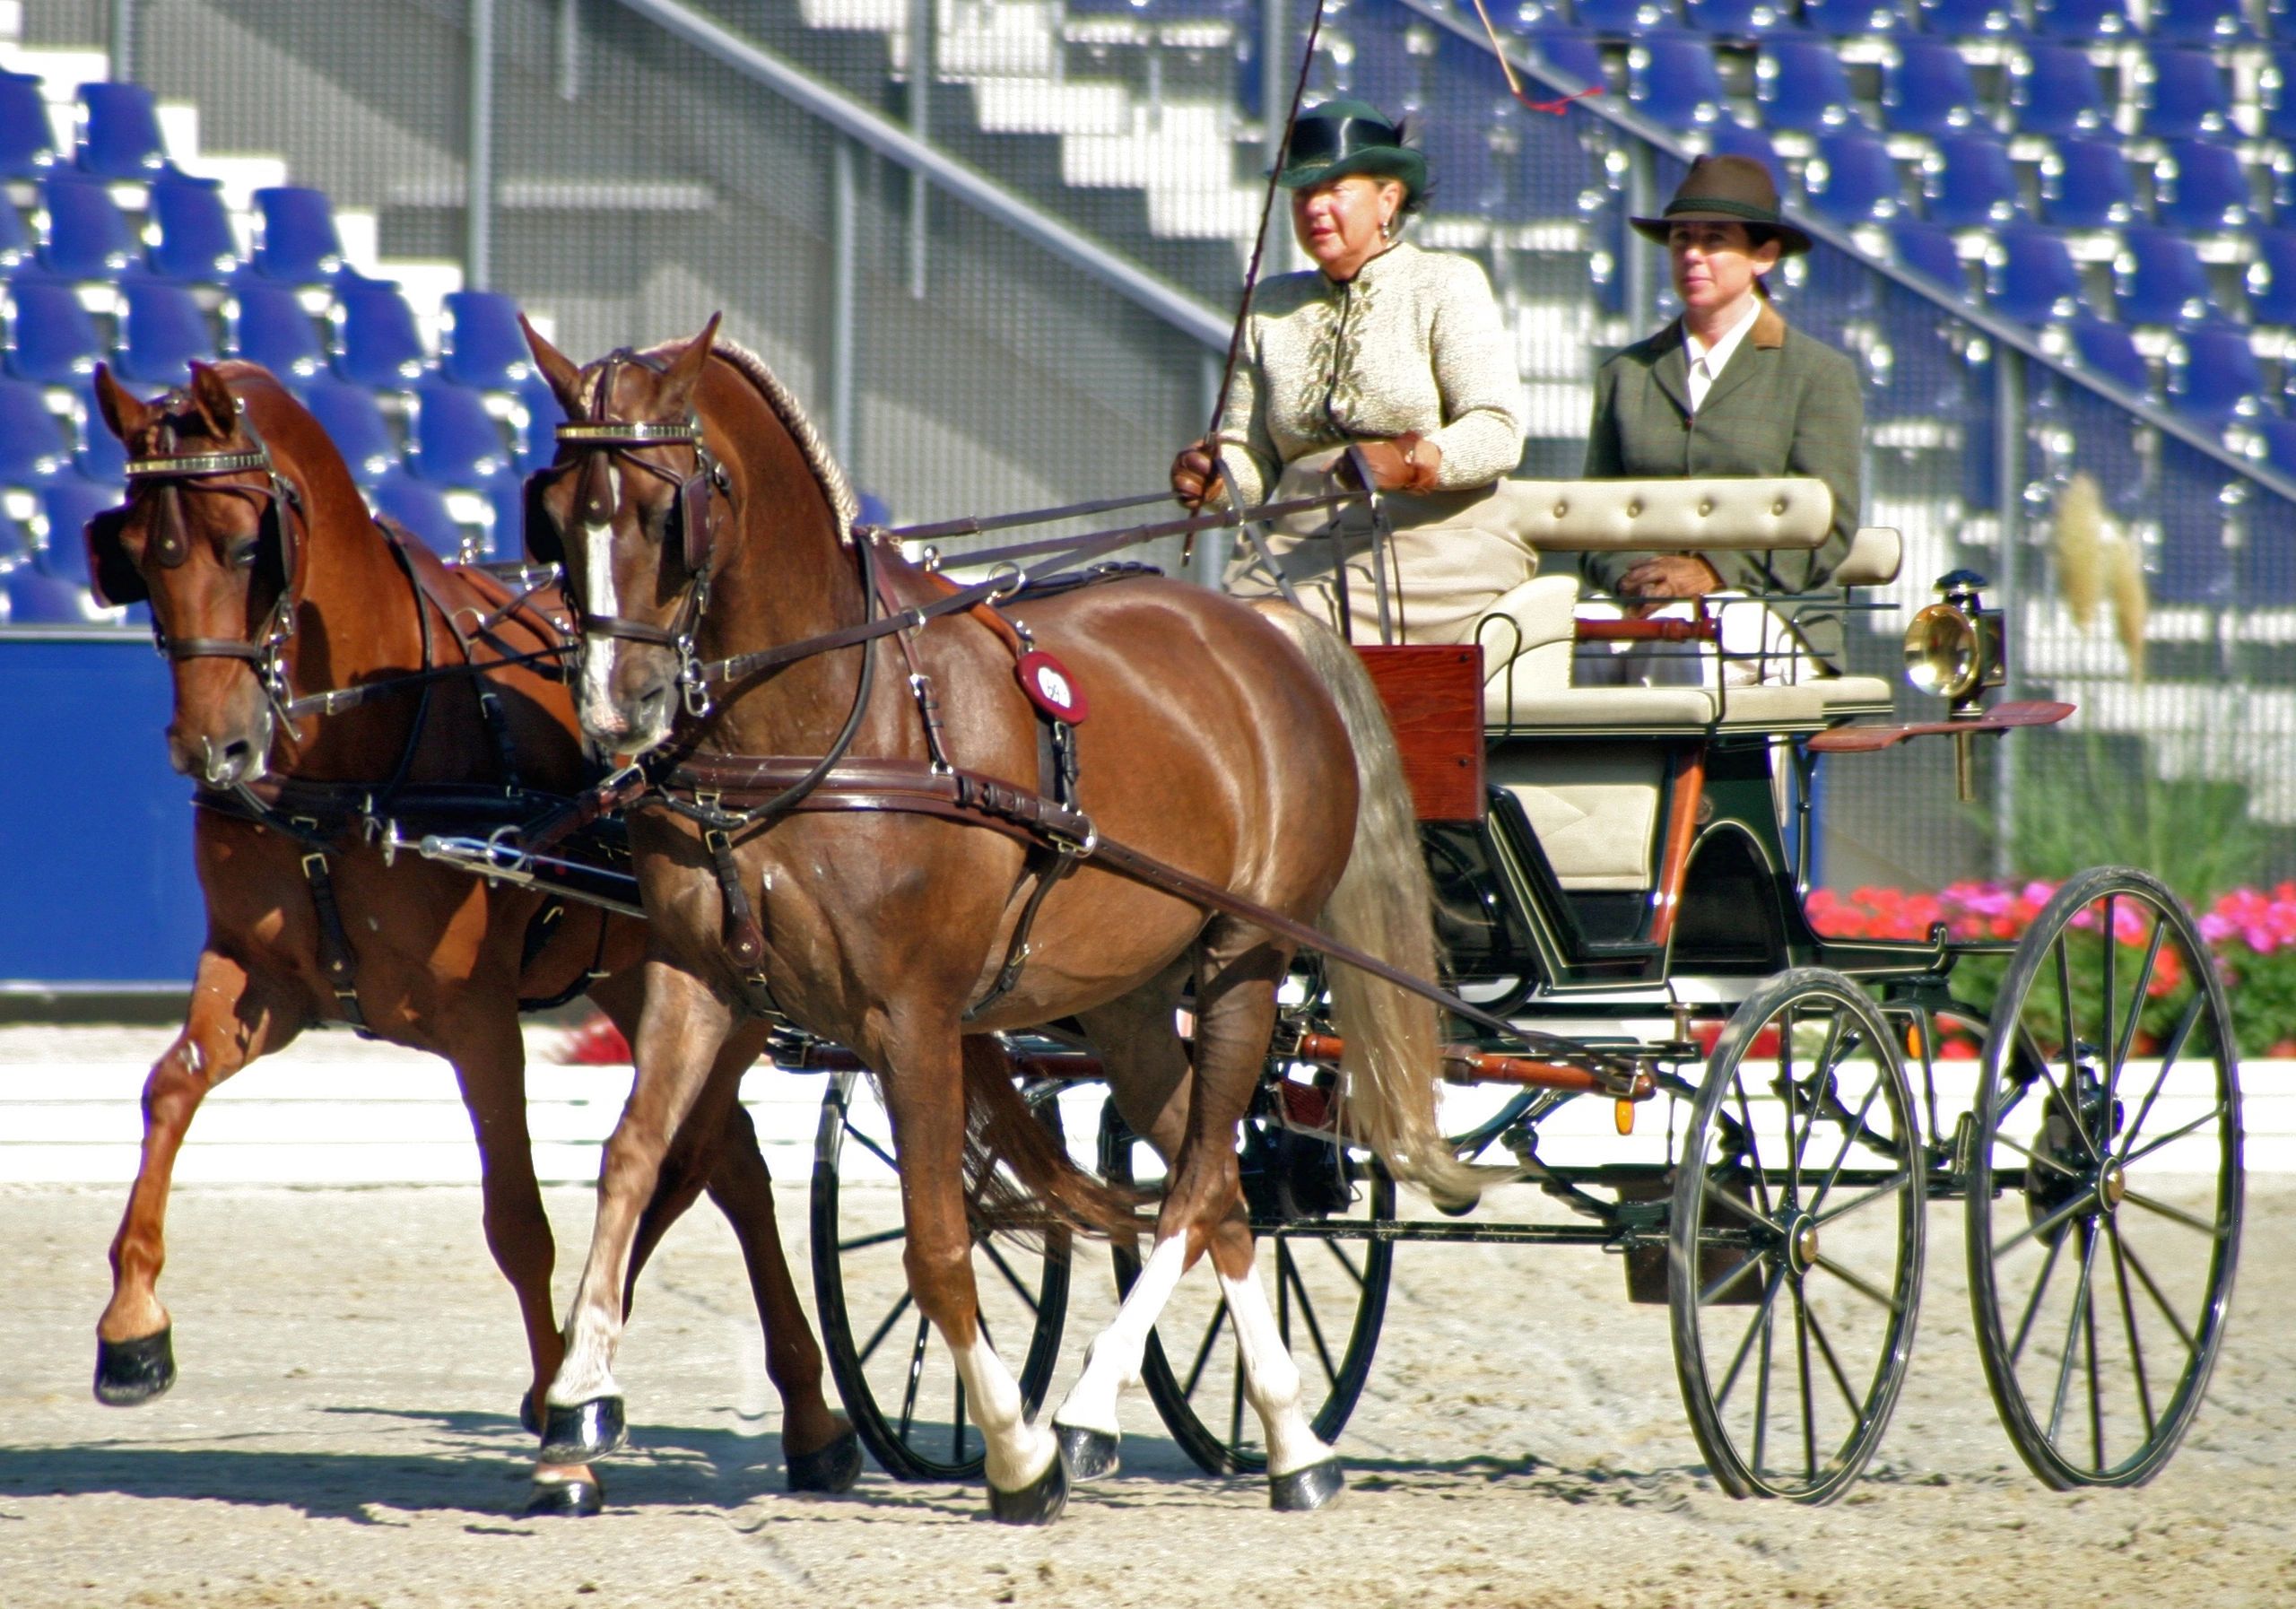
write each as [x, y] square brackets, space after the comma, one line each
[528, 1419]
[576, 1499]
[1304, 1490]
[1038, 1504]
[1088, 1454]
[128, 1373]
[831, 1468]
[579, 1434]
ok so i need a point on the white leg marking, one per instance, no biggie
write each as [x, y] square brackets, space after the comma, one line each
[598, 588]
[1018, 1451]
[1112, 1363]
[586, 1373]
[1271, 1378]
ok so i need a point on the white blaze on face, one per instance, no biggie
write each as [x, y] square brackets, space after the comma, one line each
[597, 587]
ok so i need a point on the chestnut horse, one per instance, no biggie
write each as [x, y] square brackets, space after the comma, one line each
[269, 581]
[1248, 752]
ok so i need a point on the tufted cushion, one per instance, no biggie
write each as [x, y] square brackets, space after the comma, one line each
[1684, 515]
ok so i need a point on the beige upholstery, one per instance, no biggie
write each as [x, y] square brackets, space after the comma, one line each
[1682, 514]
[1595, 807]
[1655, 711]
[1875, 555]
[1533, 629]
[1846, 696]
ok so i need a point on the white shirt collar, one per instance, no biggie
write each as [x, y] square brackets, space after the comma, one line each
[1715, 357]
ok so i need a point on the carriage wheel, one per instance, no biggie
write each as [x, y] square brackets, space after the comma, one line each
[892, 1367]
[1330, 1294]
[1794, 1265]
[2104, 1186]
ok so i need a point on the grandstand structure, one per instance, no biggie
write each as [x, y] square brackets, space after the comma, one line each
[995, 244]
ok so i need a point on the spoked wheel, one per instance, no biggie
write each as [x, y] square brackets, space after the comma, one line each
[1330, 1293]
[2104, 1198]
[891, 1367]
[1794, 1265]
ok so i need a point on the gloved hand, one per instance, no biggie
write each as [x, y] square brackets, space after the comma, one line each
[1193, 473]
[1408, 463]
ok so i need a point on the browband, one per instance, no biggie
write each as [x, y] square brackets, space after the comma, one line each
[198, 464]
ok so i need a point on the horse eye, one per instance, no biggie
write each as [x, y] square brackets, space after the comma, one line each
[242, 552]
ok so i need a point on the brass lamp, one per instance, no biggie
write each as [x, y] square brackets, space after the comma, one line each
[1958, 649]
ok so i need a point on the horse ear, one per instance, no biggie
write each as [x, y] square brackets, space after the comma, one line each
[564, 375]
[684, 372]
[123, 414]
[212, 395]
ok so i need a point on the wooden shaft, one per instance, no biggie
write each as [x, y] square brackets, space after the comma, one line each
[1682, 828]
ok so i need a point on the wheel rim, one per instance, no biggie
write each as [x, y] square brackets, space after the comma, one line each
[1329, 1294]
[891, 1367]
[2105, 1183]
[1796, 1240]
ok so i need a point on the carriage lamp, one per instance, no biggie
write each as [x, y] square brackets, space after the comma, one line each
[1958, 649]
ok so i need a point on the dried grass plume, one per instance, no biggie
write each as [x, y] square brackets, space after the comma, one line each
[2131, 604]
[2080, 541]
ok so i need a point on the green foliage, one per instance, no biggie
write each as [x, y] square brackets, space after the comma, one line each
[2091, 801]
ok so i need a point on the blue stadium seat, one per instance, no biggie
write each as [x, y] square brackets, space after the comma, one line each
[1854, 19]
[456, 442]
[2276, 95]
[2086, 184]
[1928, 250]
[163, 331]
[2055, 89]
[1969, 183]
[1735, 139]
[1736, 18]
[2162, 281]
[2272, 278]
[1969, 19]
[2084, 19]
[421, 508]
[1928, 90]
[34, 448]
[1800, 84]
[36, 598]
[351, 419]
[195, 241]
[1570, 52]
[17, 247]
[51, 339]
[1625, 18]
[2277, 438]
[268, 326]
[100, 457]
[480, 342]
[2185, 96]
[119, 132]
[296, 240]
[65, 508]
[2109, 350]
[537, 445]
[2200, 188]
[85, 238]
[2214, 376]
[377, 343]
[2199, 22]
[1675, 82]
[27, 138]
[1852, 180]
[2033, 277]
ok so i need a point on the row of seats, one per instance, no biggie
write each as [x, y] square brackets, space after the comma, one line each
[2180, 21]
[78, 232]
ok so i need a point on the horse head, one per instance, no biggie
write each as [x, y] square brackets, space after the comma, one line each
[627, 509]
[212, 534]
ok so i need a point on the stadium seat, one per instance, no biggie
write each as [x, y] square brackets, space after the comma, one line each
[2082, 19]
[537, 443]
[1800, 84]
[36, 598]
[1928, 250]
[2109, 350]
[27, 138]
[2214, 376]
[163, 331]
[2033, 278]
[119, 132]
[1854, 19]
[85, 237]
[351, 419]
[51, 339]
[33, 447]
[1735, 139]
[2199, 23]
[2272, 278]
[2162, 280]
[1969, 183]
[2184, 96]
[2201, 188]
[65, 508]
[422, 509]
[99, 455]
[2086, 184]
[196, 242]
[1675, 82]
[296, 242]
[1969, 19]
[1927, 90]
[1625, 18]
[2277, 96]
[2055, 89]
[1569, 52]
[1852, 180]
[268, 326]
[2276, 443]
[1736, 18]
[17, 247]
[456, 441]
[377, 343]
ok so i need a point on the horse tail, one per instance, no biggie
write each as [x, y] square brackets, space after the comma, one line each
[1385, 906]
[1038, 1188]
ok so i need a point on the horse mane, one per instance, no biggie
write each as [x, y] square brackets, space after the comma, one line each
[828, 473]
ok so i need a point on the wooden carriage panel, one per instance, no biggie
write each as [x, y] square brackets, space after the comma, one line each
[1434, 700]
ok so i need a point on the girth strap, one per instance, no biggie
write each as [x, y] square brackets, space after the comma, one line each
[336, 960]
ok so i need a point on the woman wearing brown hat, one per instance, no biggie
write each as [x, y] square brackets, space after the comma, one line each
[1398, 351]
[1728, 389]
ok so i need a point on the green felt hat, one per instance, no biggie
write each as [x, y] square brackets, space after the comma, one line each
[1726, 189]
[1350, 136]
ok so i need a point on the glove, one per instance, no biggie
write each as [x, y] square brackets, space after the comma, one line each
[1192, 474]
[1409, 463]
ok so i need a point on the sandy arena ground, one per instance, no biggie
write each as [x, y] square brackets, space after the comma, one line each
[341, 1435]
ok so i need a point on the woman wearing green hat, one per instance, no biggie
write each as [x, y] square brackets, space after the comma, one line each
[1728, 389]
[1398, 351]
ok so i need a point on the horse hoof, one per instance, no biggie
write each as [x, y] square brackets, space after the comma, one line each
[1038, 1504]
[1088, 1454]
[579, 1434]
[1304, 1490]
[576, 1499]
[529, 1420]
[128, 1373]
[831, 1468]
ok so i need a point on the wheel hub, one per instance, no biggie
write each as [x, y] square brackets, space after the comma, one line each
[1802, 1242]
[2112, 1184]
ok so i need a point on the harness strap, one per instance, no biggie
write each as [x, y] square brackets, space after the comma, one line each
[337, 960]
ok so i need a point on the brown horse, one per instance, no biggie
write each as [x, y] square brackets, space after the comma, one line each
[1252, 755]
[269, 581]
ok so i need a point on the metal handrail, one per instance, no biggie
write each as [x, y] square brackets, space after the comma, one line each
[888, 139]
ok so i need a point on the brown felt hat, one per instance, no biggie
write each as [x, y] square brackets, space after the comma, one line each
[1726, 189]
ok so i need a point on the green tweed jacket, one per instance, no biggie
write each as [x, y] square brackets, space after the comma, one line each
[1785, 404]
